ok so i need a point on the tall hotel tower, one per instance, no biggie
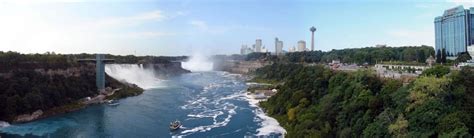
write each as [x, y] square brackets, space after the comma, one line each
[454, 30]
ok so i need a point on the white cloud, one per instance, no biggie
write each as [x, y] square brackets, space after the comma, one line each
[465, 3]
[405, 36]
[127, 20]
[38, 1]
[201, 25]
[219, 29]
[204, 27]
[27, 29]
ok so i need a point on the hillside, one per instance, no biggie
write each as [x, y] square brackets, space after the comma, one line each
[314, 101]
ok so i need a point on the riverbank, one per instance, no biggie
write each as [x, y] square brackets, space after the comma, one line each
[256, 93]
[109, 94]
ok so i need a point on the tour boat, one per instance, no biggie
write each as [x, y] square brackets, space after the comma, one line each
[112, 103]
[175, 125]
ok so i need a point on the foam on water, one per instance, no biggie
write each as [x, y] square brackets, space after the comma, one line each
[268, 124]
[39, 128]
[4, 124]
[215, 107]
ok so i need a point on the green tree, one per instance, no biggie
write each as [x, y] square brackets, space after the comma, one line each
[443, 55]
[437, 71]
[399, 128]
[463, 57]
[438, 56]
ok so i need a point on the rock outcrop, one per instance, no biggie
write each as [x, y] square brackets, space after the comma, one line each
[29, 117]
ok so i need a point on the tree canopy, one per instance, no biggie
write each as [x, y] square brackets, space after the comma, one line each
[314, 101]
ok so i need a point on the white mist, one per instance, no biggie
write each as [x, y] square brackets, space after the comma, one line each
[198, 63]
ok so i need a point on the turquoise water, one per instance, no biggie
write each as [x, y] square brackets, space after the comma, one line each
[209, 104]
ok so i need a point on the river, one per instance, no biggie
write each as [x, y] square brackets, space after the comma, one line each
[209, 104]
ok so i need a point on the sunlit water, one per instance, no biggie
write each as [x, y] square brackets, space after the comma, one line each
[209, 104]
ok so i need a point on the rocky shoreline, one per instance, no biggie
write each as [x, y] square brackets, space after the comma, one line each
[80, 104]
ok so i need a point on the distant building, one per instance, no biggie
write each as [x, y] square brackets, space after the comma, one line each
[301, 46]
[264, 50]
[258, 45]
[278, 47]
[245, 50]
[292, 49]
[454, 30]
[380, 45]
[430, 61]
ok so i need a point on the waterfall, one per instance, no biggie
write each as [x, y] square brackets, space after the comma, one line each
[134, 73]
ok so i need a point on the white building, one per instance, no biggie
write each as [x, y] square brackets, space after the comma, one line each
[292, 49]
[264, 50]
[258, 45]
[470, 50]
[301, 46]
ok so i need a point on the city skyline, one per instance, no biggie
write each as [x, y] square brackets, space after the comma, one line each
[166, 27]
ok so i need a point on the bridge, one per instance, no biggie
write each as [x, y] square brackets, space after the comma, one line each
[99, 61]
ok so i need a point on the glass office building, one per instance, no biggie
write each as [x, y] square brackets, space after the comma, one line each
[454, 31]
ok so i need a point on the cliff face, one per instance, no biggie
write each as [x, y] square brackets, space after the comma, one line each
[240, 67]
[166, 70]
[24, 91]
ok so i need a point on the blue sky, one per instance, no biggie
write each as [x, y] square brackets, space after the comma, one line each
[173, 27]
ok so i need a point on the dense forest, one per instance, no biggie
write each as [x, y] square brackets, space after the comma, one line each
[13, 60]
[370, 55]
[315, 101]
[131, 59]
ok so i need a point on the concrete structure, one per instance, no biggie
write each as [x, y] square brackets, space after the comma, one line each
[301, 46]
[312, 29]
[100, 61]
[403, 72]
[454, 30]
[258, 45]
[100, 71]
[278, 47]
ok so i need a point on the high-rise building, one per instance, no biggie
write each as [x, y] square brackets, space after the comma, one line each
[454, 30]
[301, 46]
[278, 47]
[258, 45]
